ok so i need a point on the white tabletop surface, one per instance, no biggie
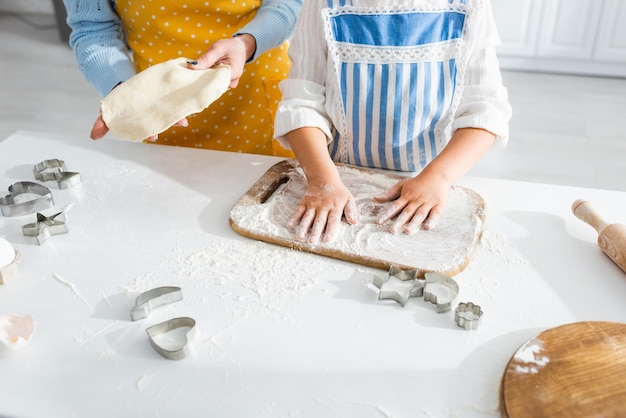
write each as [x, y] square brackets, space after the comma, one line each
[280, 333]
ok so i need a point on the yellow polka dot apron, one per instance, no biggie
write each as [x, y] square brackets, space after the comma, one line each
[242, 119]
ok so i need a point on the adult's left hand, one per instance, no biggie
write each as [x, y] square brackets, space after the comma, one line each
[233, 52]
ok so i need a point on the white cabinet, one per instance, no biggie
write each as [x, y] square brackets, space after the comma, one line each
[568, 28]
[571, 36]
[518, 25]
[611, 39]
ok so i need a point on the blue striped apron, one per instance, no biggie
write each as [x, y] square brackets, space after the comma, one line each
[397, 77]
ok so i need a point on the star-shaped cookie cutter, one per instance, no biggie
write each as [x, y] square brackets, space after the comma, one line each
[467, 315]
[13, 204]
[399, 285]
[154, 298]
[180, 350]
[440, 290]
[54, 170]
[45, 227]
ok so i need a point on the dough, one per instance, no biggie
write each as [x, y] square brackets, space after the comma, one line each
[158, 97]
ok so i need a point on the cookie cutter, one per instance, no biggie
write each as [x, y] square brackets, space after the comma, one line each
[180, 351]
[45, 227]
[467, 315]
[154, 298]
[440, 290]
[54, 170]
[10, 207]
[399, 285]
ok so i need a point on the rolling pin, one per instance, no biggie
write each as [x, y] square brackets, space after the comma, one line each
[611, 237]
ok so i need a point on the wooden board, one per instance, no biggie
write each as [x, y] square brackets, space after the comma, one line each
[263, 212]
[575, 370]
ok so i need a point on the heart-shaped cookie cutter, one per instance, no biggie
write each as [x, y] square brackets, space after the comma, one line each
[10, 207]
[55, 170]
[180, 351]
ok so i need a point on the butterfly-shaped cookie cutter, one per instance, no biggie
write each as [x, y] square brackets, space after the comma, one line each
[55, 170]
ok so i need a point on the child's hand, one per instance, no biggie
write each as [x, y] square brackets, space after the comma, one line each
[321, 210]
[417, 202]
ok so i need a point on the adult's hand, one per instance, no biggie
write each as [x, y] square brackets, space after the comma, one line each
[234, 52]
[100, 128]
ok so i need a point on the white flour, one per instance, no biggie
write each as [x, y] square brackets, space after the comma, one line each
[446, 248]
[235, 279]
[529, 357]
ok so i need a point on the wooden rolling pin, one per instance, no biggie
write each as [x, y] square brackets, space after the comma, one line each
[611, 237]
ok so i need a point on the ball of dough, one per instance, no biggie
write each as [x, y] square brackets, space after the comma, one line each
[161, 95]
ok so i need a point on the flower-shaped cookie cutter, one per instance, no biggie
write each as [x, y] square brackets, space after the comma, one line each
[178, 350]
[467, 315]
[154, 298]
[440, 290]
[45, 227]
[399, 285]
[13, 204]
[54, 170]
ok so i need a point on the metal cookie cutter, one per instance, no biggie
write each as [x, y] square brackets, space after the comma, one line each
[180, 350]
[440, 290]
[399, 285]
[11, 206]
[54, 170]
[45, 227]
[468, 315]
[153, 299]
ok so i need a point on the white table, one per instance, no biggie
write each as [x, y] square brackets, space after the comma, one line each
[280, 332]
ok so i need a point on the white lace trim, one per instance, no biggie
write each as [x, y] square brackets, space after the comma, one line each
[443, 51]
[407, 6]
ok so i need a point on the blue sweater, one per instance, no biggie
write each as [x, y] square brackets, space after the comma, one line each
[103, 57]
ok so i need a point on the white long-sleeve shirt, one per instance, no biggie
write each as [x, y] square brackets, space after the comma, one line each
[389, 81]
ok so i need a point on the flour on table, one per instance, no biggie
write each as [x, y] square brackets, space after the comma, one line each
[231, 291]
[445, 248]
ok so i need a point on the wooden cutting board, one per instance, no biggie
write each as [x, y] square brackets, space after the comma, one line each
[575, 370]
[263, 212]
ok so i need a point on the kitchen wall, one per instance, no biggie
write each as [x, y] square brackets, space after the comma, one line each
[559, 36]
[27, 6]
